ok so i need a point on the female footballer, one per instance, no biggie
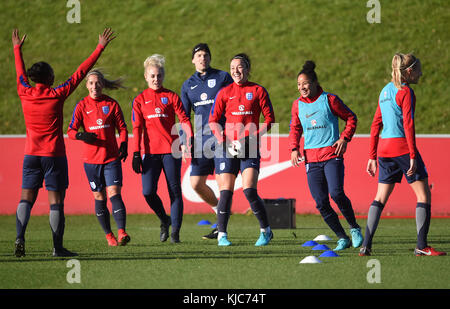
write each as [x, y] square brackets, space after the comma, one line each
[242, 103]
[100, 115]
[397, 152]
[315, 114]
[155, 133]
[45, 153]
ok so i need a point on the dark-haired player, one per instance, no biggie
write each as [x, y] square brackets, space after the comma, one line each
[100, 115]
[197, 94]
[242, 103]
[45, 154]
[315, 114]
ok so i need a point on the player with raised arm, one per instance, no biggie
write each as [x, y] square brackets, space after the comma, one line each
[45, 153]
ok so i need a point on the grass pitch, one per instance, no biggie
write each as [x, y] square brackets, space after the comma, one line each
[146, 263]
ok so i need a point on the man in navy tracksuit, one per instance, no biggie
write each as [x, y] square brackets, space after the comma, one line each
[197, 94]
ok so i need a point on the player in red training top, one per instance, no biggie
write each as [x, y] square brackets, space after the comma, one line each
[242, 103]
[315, 114]
[100, 115]
[156, 138]
[45, 154]
[397, 152]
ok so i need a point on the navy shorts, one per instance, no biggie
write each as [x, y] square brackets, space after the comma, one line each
[53, 170]
[391, 170]
[202, 166]
[224, 164]
[105, 175]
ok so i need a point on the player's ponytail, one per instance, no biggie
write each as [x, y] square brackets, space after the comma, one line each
[400, 63]
[108, 84]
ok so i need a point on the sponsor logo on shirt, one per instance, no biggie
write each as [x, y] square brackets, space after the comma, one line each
[242, 111]
[158, 114]
[100, 125]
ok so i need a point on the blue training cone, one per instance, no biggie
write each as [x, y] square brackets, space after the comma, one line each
[204, 222]
[321, 247]
[214, 226]
[329, 253]
[309, 243]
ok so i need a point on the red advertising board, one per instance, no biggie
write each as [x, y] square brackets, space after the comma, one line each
[278, 179]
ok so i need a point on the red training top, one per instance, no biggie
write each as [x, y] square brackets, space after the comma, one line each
[242, 106]
[339, 109]
[43, 107]
[101, 116]
[153, 118]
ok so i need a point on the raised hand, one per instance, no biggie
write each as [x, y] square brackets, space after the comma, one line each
[16, 39]
[106, 37]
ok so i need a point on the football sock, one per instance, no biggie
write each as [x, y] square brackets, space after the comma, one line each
[156, 205]
[373, 218]
[423, 218]
[224, 208]
[102, 214]
[257, 206]
[22, 217]
[57, 223]
[119, 211]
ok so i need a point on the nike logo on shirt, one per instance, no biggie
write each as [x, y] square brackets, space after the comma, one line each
[307, 116]
[193, 87]
[89, 112]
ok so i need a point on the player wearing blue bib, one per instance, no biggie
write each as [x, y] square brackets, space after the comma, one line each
[197, 94]
[315, 114]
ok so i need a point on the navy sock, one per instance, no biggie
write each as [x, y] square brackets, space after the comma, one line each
[156, 205]
[22, 217]
[257, 206]
[119, 211]
[345, 206]
[423, 218]
[57, 223]
[102, 214]
[224, 210]
[373, 218]
[331, 219]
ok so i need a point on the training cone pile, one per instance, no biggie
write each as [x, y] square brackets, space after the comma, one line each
[310, 260]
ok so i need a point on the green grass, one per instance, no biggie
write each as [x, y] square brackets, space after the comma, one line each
[353, 57]
[146, 263]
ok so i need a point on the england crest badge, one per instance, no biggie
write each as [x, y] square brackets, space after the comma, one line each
[249, 95]
[164, 100]
[105, 110]
[211, 83]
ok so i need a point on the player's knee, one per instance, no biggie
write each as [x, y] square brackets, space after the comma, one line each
[251, 194]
